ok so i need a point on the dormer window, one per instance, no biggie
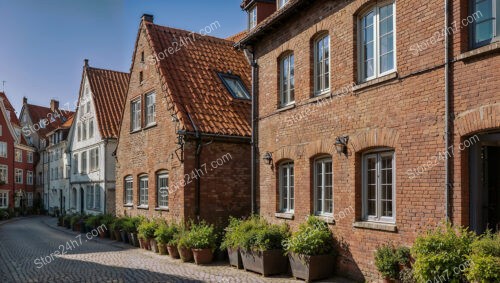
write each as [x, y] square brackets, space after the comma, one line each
[252, 17]
[235, 86]
[282, 3]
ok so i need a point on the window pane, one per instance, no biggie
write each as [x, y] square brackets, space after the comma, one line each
[319, 187]
[485, 7]
[386, 11]
[292, 78]
[484, 31]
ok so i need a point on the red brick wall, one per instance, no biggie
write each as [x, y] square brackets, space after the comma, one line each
[405, 113]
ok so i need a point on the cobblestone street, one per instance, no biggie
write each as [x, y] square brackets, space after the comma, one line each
[24, 240]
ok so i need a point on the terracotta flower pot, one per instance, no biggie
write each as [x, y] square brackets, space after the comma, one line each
[186, 254]
[162, 249]
[203, 256]
[235, 258]
[153, 245]
[144, 244]
[265, 262]
[312, 267]
[173, 251]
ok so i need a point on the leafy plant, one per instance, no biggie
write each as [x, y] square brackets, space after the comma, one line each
[75, 219]
[107, 220]
[92, 221]
[146, 229]
[439, 252]
[230, 239]
[484, 261]
[386, 261]
[128, 225]
[166, 233]
[312, 238]
[257, 234]
[202, 236]
[403, 255]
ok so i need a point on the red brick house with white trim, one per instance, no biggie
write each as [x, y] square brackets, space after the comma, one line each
[366, 79]
[184, 141]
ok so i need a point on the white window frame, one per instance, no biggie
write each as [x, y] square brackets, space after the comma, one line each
[94, 159]
[135, 115]
[29, 177]
[286, 95]
[93, 197]
[3, 149]
[30, 157]
[290, 202]
[18, 176]
[162, 191]
[376, 44]
[494, 18]
[18, 155]
[378, 154]
[150, 109]
[252, 17]
[143, 191]
[75, 163]
[320, 89]
[128, 190]
[83, 163]
[4, 177]
[323, 161]
[4, 199]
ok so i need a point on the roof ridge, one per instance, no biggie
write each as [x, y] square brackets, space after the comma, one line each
[101, 69]
[223, 40]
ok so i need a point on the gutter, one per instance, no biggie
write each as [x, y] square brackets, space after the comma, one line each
[253, 182]
[448, 185]
[197, 155]
[105, 177]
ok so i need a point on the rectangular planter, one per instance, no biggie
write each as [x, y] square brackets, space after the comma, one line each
[266, 263]
[235, 258]
[203, 256]
[312, 268]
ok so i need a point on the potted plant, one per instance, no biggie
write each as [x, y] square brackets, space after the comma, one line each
[59, 220]
[386, 261]
[67, 221]
[311, 250]
[261, 246]
[403, 255]
[115, 228]
[202, 240]
[174, 241]
[164, 234]
[105, 220]
[184, 247]
[230, 242]
[91, 222]
[127, 228]
[132, 226]
[483, 263]
[75, 222]
[146, 233]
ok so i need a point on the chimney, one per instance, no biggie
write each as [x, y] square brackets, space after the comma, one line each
[86, 62]
[148, 18]
[25, 100]
[54, 105]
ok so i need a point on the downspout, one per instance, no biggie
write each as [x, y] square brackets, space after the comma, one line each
[447, 109]
[253, 182]
[105, 178]
[197, 166]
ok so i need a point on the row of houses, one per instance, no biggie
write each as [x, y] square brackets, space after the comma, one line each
[373, 115]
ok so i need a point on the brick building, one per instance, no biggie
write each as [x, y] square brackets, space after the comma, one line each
[184, 143]
[354, 103]
[16, 161]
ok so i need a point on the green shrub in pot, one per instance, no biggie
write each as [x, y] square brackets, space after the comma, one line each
[386, 261]
[146, 230]
[312, 238]
[484, 261]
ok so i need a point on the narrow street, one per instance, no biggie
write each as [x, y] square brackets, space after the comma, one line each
[25, 240]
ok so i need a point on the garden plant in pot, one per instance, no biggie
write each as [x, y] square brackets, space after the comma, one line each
[311, 250]
[163, 235]
[261, 246]
[115, 228]
[230, 243]
[174, 241]
[75, 222]
[484, 259]
[105, 222]
[391, 260]
[130, 230]
[202, 240]
[92, 222]
[146, 233]
[184, 247]
[133, 236]
[67, 221]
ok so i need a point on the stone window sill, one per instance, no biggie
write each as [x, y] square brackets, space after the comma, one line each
[375, 226]
[327, 219]
[376, 81]
[128, 205]
[152, 125]
[490, 48]
[285, 108]
[283, 215]
[143, 207]
[162, 209]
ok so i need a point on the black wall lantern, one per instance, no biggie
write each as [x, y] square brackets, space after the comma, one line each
[341, 144]
[268, 156]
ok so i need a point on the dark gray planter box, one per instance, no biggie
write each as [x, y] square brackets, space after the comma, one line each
[235, 258]
[312, 268]
[266, 263]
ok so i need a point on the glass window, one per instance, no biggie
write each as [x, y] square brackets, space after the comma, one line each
[235, 86]
[19, 176]
[3, 149]
[4, 174]
[129, 190]
[19, 155]
[29, 177]
[377, 45]
[30, 199]
[91, 128]
[75, 163]
[282, 3]
[83, 164]
[323, 186]
[322, 65]
[30, 157]
[378, 186]
[252, 17]
[4, 199]
[162, 187]
[287, 187]
[143, 191]
[135, 115]
[287, 80]
[486, 26]
[150, 108]
[94, 159]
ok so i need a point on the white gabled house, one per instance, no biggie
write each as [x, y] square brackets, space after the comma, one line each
[93, 138]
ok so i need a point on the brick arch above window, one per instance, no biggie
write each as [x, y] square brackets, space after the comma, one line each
[372, 138]
[321, 147]
[479, 119]
[285, 153]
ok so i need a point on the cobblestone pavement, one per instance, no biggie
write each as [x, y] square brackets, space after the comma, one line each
[25, 241]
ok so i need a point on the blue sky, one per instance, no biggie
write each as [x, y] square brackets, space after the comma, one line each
[43, 42]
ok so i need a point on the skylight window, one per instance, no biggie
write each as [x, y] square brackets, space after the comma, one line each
[235, 86]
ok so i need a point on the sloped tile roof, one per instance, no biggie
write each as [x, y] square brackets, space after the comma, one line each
[191, 77]
[8, 106]
[237, 37]
[37, 113]
[109, 89]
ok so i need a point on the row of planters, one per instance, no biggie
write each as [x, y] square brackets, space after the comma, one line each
[87, 223]
[446, 254]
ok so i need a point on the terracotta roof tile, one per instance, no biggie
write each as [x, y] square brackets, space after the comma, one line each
[37, 113]
[237, 37]
[8, 106]
[109, 89]
[191, 76]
